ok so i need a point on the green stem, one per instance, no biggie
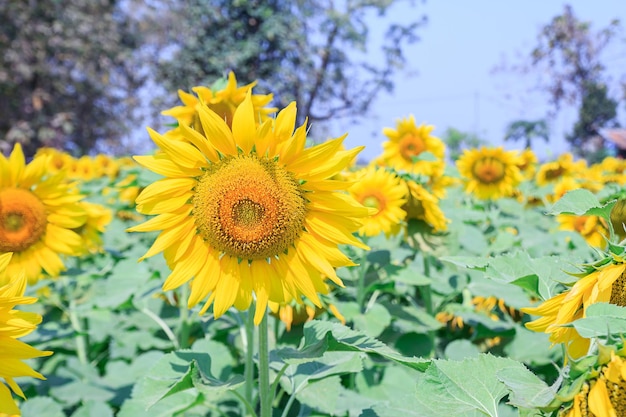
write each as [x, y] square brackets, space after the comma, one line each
[183, 328]
[360, 289]
[264, 370]
[249, 365]
[425, 290]
[81, 338]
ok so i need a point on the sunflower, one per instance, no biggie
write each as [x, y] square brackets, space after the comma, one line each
[298, 313]
[223, 102]
[249, 210]
[603, 283]
[527, 163]
[564, 166]
[490, 173]
[407, 142]
[98, 217]
[37, 215]
[592, 228]
[383, 191]
[13, 325]
[424, 206]
[602, 390]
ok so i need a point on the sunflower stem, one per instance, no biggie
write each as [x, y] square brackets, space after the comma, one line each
[81, 338]
[360, 289]
[183, 329]
[249, 365]
[425, 291]
[265, 393]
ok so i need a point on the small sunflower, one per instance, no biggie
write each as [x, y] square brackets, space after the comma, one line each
[602, 392]
[249, 210]
[37, 215]
[299, 313]
[384, 191]
[604, 282]
[13, 325]
[490, 173]
[527, 163]
[553, 171]
[224, 102]
[405, 145]
[592, 228]
[424, 206]
[98, 217]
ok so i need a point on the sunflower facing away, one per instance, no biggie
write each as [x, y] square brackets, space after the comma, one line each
[37, 215]
[424, 206]
[384, 191]
[405, 145]
[13, 325]
[490, 173]
[605, 283]
[249, 210]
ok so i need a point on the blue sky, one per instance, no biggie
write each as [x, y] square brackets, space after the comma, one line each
[449, 81]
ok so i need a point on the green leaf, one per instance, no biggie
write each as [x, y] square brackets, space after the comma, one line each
[527, 390]
[470, 262]
[373, 322]
[338, 337]
[180, 371]
[582, 202]
[602, 320]
[468, 388]
[461, 349]
[41, 406]
[93, 408]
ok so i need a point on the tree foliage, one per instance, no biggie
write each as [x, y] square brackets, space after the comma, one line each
[313, 52]
[68, 74]
[456, 141]
[527, 131]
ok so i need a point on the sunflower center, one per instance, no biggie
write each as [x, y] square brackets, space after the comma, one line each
[411, 146]
[488, 170]
[554, 173]
[618, 291]
[22, 219]
[249, 207]
[373, 201]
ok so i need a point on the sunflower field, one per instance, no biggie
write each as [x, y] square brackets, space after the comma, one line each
[240, 270]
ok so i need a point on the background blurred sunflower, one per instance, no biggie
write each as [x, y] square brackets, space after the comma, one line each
[490, 173]
[603, 283]
[249, 210]
[13, 325]
[592, 228]
[384, 191]
[37, 215]
[405, 145]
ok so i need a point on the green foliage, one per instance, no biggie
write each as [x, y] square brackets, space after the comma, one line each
[527, 131]
[308, 51]
[68, 74]
[456, 141]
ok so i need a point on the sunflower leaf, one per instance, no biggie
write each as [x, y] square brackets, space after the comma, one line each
[342, 338]
[582, 202]
[602, 320]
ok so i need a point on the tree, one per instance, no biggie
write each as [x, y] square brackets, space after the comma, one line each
[527, 131]
[68, 74]
[597, 111]
[456, 141]
[313, 52]
[568, 59]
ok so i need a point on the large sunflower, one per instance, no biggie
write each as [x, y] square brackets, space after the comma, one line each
[490, 173]
[407, 142]
[249, 210]
[604, 283]
[37, 215]
[383, 191]
[13, 325]
[221, 101]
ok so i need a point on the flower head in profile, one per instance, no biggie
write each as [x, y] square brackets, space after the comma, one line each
[38, 213]
[527, 163]
[248, 211]
[423, 206]
[223, 101]
[604, 282]
[13, 325]
[383, 191]
[407, 143]
[98, 217]
[489, 173]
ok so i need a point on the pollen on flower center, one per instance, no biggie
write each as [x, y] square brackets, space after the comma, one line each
[618, 291]
[249, 207]
[22, 219]
[373, 201]
[488, 170]
[411, 146]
